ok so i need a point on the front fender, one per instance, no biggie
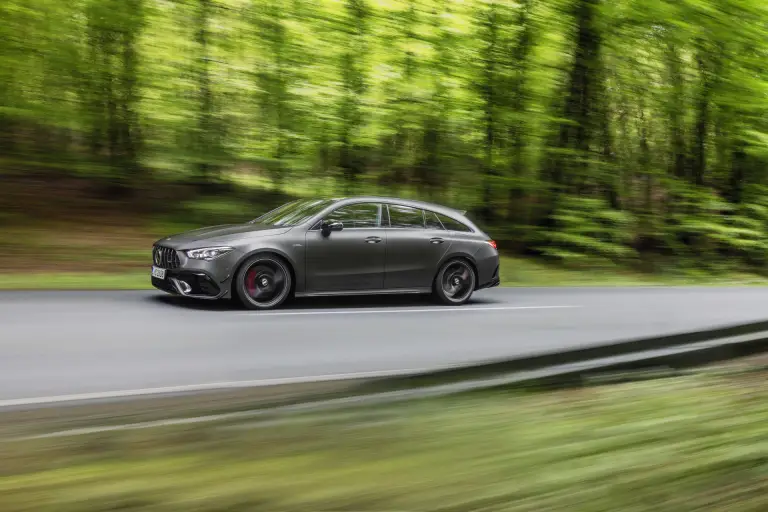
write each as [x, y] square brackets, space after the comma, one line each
[295, 262]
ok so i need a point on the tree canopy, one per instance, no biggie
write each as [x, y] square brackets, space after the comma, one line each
[578, 129]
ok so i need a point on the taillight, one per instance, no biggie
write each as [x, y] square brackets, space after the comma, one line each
[491, 243]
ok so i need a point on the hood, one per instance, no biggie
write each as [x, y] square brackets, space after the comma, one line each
[221, 234]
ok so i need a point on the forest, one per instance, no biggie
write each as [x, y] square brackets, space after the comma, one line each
[628, 132]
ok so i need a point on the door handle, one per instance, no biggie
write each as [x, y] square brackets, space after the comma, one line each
[436, 240]
[372, 240]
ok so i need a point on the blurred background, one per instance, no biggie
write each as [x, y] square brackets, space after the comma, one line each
[627, 135]
[597, 141]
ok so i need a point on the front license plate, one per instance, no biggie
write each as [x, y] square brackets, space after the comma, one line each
[158, 272]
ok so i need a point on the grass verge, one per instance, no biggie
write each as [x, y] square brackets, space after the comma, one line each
[528, 272]
[691, 443]
[76, 281]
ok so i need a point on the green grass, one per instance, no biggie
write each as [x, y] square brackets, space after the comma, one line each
[528, 272]
[689, 443]
[514, 272]
[76, 281]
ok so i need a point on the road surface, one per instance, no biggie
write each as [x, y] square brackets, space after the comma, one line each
[71, 343]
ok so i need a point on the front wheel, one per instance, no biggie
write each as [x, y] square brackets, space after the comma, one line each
[263, 282]
[455, 282]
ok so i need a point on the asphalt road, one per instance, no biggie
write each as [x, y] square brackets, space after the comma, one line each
[63, 343]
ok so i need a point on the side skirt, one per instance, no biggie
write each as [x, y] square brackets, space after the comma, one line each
[402, 291]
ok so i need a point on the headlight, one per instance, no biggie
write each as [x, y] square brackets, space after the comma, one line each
[208, 253]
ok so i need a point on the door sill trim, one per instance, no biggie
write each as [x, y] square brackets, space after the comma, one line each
[399, 291]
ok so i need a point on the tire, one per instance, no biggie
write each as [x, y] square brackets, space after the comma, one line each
[455, 282]
[263, 282]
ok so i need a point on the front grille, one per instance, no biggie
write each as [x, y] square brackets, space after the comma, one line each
[165, 257]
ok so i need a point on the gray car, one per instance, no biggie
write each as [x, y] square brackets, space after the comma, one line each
[324, 247]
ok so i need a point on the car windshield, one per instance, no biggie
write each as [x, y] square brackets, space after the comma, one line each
[294, 213]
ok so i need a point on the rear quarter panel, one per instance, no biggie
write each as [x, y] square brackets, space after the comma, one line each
[473, 247]
[486, 261]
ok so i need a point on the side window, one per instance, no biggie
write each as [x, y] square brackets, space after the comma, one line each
[405, 217]
[453, 225]
[432, 221]
[363, 215]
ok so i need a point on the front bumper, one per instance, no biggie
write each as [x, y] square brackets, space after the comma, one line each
[195, 284]
[198, 279]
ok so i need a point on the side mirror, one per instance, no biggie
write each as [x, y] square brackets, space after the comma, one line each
[327, 227]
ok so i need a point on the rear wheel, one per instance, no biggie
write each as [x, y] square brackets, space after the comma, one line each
[263, 282]
[455, 282]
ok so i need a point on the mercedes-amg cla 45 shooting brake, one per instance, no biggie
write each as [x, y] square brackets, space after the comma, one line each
[323, 247]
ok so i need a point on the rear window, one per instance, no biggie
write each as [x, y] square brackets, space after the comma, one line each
[432, 221]
[452, 224]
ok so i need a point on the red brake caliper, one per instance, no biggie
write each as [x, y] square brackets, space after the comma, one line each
[250, 282]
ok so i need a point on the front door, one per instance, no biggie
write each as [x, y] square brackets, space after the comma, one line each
[351, 259]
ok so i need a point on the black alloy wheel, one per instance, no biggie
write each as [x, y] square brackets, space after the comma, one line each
[263, 282]
[455, 282]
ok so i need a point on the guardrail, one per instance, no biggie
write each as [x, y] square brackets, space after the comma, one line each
[682, 349]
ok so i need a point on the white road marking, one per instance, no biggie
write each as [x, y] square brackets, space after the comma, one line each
[400, 311]
[212, 386]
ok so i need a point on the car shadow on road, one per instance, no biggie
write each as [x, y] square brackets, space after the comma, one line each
[318, 303]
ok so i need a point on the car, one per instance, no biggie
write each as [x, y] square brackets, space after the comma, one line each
[328, 247]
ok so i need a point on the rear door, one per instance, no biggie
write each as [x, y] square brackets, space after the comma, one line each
[351, 259]
[415, 245]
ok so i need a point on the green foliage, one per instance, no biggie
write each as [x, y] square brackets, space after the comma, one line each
[208, 211]
[715, 233]
[588, 129]
[587, 229]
